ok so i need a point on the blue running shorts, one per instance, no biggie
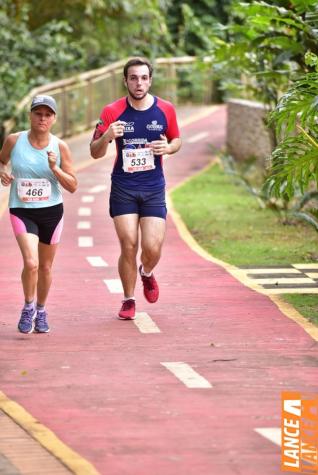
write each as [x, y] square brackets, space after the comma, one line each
[143, 203]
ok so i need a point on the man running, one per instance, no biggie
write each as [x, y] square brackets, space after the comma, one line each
[145, 128]
[40, 163]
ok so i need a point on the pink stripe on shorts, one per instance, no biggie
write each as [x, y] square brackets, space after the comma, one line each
[18, 225]
[58, 231]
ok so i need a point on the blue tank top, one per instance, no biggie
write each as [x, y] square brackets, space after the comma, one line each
[34, 184]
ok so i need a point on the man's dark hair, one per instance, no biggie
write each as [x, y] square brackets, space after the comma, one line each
[138, 62]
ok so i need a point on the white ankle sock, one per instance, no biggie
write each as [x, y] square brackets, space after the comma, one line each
[145, 274]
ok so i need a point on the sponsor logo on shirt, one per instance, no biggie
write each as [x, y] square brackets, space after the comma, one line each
[135, 141]
[129, 127]
[154, 126]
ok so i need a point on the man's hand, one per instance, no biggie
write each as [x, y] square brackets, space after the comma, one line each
[160, 147]
[115, 130]
[99, 145]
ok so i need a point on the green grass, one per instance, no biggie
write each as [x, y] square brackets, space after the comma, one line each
[306, 304]
[227, 222]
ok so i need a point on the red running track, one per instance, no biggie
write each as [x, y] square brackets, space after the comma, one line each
[98, 383]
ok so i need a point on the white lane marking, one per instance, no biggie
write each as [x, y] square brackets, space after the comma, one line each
[187, 375]
[85, 241]
[96, 261]
[274, 434]
[98, 188]
[305, 266]
[84, 211]
[197, 137]
[114, 286]
[287, 280]
[294, 290]
[84, 225]
[272, 271]
[145, 323]
[312, 275]
[88, 199]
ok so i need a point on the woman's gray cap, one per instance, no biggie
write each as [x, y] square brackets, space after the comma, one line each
[44, 101]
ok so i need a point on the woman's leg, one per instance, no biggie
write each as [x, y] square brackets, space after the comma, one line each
[28, 244]
[46, 256]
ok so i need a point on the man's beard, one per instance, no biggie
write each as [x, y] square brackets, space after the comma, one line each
[137, 98]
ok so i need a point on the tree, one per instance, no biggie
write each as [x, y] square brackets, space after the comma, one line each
[190, 24]
[31, 59]
[260, 54]
[109, 30]
[264, 45]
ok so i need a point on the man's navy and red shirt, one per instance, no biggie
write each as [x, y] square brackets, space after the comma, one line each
[142, 127]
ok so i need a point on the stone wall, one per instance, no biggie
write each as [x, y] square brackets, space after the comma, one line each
[247, 134]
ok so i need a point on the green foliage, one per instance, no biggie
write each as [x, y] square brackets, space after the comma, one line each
[30, 59]
[190, 24]
[109, 30]
[302, 207]
[264, 44]
[43, 41]
[297, 105]
[294, 162]
[294, 166]
[267, 48]
[228, 222]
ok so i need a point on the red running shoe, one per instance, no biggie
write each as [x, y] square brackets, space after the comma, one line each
[128, 309]
[151, 289]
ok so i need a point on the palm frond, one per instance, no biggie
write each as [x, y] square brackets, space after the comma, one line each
[294, 165]
[298, 105]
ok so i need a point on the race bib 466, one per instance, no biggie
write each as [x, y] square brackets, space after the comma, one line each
[34, 189]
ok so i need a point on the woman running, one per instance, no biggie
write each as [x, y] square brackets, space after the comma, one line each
[40, 163]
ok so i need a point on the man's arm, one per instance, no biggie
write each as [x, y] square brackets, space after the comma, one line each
[174, 145]
[99, 146]
[163, 147]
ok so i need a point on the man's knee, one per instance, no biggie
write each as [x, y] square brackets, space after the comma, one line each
[129, 248]
[151, 251]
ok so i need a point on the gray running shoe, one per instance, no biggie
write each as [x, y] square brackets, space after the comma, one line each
[26, 322]
[41, 325]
